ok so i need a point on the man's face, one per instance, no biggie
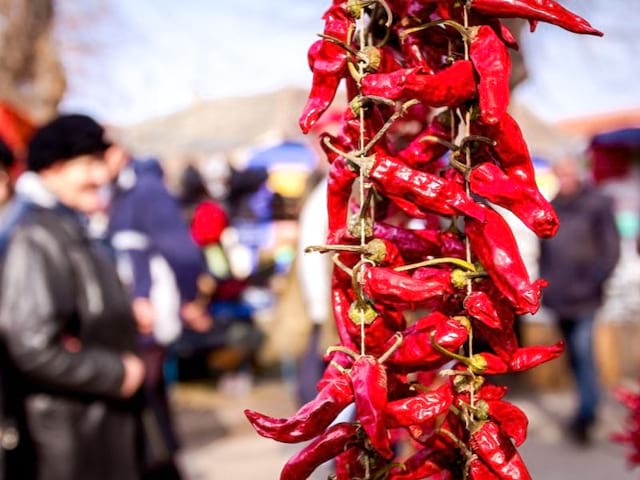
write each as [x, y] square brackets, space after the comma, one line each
[77, 182]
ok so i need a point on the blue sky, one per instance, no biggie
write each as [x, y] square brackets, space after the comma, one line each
[128, 61]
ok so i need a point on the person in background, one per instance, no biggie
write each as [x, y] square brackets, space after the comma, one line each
[65, 319]
[161, 265]
[6, 187]
[576, 263]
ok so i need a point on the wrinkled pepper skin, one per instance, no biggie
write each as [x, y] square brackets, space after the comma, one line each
[311, 419]
[491, 60]
[340, 179]
[498, 453]
[547, 11]
[369, 379]
[495, 246]
[418, 409]
[328, 445]
[430, 193]
[398, 288]
[423, 152]
[512, 421]
[349, 465]
[525, 202]
[479, 471]
[448, 87]
[425, 463]
[416, 352]
[328, 62]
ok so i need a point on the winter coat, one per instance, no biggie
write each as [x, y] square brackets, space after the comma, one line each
[582, 255]
[57, 286]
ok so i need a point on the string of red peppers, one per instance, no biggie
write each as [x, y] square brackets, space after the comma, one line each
[443, 65]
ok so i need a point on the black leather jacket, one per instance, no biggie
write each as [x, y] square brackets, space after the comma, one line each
[56, 286]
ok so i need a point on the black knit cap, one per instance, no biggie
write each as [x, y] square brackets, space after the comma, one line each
[64, 138]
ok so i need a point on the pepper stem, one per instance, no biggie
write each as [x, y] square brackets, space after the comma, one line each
[343, 349]
[460, 28]
[439, 348]
[458, 443]
[398, 341]
[336, 260]
[437, 261]
[387, 125]
[364, 163]
[340, 43]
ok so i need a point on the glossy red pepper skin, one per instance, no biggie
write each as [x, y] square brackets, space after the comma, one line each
[525, 358]
[512, 421]
[479, 471]
[423, 152]
[311, 419]
[349, 464]
[430, 193]
[495, 246]
[479, 306]
[425, 463]
[369, 379]
[510, 149]
[325, 447]
[328, 62]
[498, 453]
[491, 60]
[340, 179]
[419, 408]
[547, 11]
[416, 352]
[448, 87]
[524, 201]
[398, 288]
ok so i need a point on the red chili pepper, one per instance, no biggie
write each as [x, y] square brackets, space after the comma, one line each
[311, 419]
[349, 464]
[425, 463]
[418, 409]
[429, 193]
[397, 288]
[493, 243]
[328, 62]
[479, 306]
[497, 452]
[448, 87]
[512, 421]
[335, 440]
[526, 358]
[479, 471]
[547, 11]
[369, 380]
[340, 179]
[491, 60]
[416, 351]
[424, 149]
[525, 202]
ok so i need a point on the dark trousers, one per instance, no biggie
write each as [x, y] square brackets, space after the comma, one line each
[578, 334]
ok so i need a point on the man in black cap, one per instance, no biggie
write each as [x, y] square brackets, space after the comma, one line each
[64, 317]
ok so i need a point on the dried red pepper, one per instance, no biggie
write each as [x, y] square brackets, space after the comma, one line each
[311, 419]
[491, 60]
[419, 408]
[450, 86]
[332, 442]
[497, 452]
[524, 201]
[547, 11]
[369, 379]
[493, 242]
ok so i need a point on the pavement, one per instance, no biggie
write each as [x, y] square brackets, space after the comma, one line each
[221, 445]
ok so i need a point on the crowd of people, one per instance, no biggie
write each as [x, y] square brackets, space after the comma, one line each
[104, 272]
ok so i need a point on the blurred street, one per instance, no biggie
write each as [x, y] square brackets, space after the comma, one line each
[220, 444]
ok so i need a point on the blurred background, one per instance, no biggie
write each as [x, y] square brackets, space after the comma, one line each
[213, 90]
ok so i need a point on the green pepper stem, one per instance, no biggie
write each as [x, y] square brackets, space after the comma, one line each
[438, 261]
[459, 28]
[439, 348]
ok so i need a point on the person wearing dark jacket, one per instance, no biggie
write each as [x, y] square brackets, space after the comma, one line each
[65, 317]
[576, 263]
